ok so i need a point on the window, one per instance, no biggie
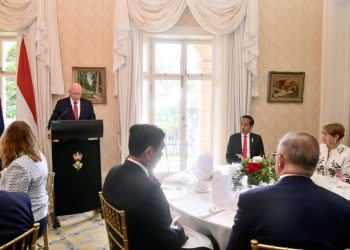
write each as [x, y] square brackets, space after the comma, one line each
[8, 69]
[179, 99]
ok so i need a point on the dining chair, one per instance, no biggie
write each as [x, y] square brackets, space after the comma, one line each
[49, 190]
[176, 156]
[255, 246]
[22, 241]
[115, 221]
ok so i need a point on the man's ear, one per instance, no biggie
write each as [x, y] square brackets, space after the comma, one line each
[280, 164]
[148, 153]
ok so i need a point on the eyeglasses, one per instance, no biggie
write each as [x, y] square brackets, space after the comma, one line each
[276, 154]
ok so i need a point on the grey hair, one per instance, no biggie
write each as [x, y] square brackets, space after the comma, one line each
[300, 149]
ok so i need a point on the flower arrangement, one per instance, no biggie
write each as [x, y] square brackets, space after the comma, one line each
[257, 170]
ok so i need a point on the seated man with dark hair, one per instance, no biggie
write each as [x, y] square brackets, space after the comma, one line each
[244, 143]
[16, 215]
[132, 188]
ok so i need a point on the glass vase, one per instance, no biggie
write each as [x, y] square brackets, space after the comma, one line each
[252, 181]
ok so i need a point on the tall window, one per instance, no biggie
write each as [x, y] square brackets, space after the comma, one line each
[8, 69]
[180, 99]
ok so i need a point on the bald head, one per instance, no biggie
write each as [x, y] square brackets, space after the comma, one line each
[75, 91]
[299, 153]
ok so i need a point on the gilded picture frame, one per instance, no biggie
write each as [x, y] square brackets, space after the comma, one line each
[285, 87]
[93, 81]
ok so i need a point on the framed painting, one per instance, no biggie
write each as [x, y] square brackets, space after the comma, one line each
[286, 87]
[93, 81]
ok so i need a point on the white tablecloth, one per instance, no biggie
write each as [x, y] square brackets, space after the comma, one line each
[191, 205]
[334, 185]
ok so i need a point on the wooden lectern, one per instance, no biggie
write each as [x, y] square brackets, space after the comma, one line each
[76, 161]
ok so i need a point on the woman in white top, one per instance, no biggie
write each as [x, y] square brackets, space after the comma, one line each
[334, 156]
[25, 169]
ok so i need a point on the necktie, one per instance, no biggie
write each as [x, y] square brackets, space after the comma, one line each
[244, 149]
[75, 111]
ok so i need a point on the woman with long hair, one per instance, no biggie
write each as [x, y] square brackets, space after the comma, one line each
[25, 169]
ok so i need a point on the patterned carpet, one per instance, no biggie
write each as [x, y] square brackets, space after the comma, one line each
[85, 231]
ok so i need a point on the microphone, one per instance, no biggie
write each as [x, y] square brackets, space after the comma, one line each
[59, 118]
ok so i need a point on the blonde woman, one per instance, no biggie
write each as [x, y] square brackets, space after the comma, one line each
[334, 156]
[25, 169]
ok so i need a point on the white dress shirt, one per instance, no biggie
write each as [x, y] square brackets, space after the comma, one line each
[78, 104]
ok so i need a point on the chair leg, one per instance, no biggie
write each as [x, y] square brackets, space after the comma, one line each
[46, 240]
[56, 223]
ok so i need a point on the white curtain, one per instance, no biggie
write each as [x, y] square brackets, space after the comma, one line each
[17, 15]
[37, 21]
[237, 20]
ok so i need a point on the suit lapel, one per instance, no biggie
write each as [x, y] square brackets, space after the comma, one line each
[82, 109]
[251, 144]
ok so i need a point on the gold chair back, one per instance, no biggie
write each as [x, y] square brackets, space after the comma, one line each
[22, 241]
[115, 225]
[49, 183]
[49, 189]
[255, 246]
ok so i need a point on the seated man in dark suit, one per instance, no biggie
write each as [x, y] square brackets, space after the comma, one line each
[244, 143]
[294, 212]
[132, 188]
[73, 107]
[16, 215]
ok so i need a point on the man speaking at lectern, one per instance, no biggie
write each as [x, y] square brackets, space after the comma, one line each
[73, 107]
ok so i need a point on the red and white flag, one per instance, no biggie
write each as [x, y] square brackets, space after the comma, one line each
[26, 109]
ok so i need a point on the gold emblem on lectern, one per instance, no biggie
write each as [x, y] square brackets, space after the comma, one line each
[77, 158]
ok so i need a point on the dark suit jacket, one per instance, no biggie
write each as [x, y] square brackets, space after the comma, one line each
[294, 212]
[16, 215]
[64, 111]
[147, 211]
[234, 147]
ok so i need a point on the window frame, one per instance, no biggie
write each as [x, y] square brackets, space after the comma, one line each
[150, 76]
[6, 36]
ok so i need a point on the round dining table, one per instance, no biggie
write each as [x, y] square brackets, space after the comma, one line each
[199, 212]
[196, 208]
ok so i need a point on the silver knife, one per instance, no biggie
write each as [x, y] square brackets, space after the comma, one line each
[211, 213]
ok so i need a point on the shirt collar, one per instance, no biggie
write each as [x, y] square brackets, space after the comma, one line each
[140, 165]
[242, 135]
[72, 102]
[286, 175]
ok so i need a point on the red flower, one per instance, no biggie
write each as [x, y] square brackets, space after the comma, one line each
[253, 167]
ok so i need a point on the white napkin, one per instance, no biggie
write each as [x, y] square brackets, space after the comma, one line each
[196, 239]
[221, 190]
[184, 177]
[204, 167]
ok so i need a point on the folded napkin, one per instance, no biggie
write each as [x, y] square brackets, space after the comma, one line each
[184, 177]
[196, 239]
[221, 190]
[203, 167]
